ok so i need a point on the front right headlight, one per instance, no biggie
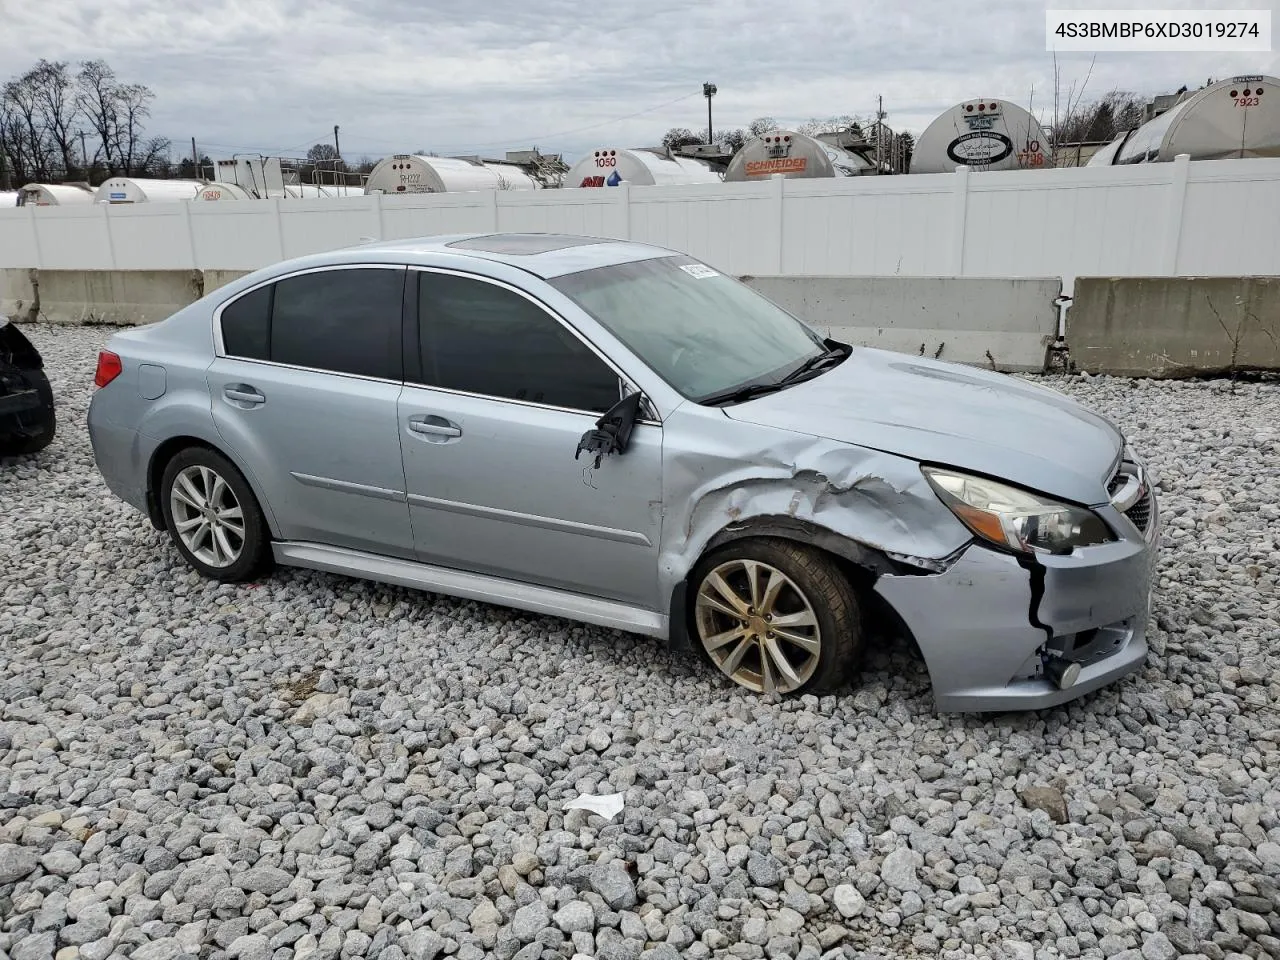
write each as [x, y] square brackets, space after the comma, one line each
[1016, 519]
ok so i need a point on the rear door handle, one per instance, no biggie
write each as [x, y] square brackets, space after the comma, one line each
[434, 427]
[243, 393]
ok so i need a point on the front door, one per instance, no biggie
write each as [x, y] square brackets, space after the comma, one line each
[493, 408]
[305, 392]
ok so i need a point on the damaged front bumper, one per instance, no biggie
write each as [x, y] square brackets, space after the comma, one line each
[994, 628]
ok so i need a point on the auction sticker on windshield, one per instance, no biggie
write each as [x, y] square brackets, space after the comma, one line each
[698, 271]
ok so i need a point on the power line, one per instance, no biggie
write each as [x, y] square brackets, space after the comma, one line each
[258, 149]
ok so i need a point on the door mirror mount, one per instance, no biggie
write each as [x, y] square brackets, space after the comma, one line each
[612, 432]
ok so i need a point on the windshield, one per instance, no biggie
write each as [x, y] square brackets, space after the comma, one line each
[701, 331]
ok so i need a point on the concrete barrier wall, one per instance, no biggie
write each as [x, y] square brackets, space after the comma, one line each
[98, 296]
[1135, 326]
[1172, 327]
[1002, 324]
[997, 323]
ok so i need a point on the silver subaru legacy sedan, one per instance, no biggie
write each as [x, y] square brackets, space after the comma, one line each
[619, 434]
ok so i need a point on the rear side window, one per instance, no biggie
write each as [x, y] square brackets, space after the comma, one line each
[346, 321]
[481, 338]
[246, 325]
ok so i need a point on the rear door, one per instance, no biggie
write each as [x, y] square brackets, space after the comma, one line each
[497, 396]
[304, 390]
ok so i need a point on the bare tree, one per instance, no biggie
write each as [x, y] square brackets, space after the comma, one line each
[906, 146]
[96, 96]
[1099, 121]
[678, 137]
[34, 152]
[55, 95]
[761, 125]
[322, 151]
[813, 127]
[133, 105]
[732, 140]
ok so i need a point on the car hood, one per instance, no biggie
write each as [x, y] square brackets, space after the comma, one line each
[951, 415]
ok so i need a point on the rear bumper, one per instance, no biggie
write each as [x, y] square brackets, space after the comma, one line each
[121, 456]
[27, 411]
[987, 625]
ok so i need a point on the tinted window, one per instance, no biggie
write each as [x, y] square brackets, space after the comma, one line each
[246, 325]
[485, 339]
[347, 321]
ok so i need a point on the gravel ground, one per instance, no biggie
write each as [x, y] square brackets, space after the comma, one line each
[316, 766]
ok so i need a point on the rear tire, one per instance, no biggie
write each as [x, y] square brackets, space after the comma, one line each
[213, 517]
[775, 616]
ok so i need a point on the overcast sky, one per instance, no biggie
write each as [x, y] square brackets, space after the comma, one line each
[274, 76]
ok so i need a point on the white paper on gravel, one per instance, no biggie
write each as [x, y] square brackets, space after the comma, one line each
[608, 805]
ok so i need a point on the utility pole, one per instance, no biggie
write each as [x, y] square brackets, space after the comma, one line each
[195, 159]
[84, 156]
[709, 91]
[336, 149]
[880, 115]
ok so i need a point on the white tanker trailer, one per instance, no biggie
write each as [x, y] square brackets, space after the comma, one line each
[412, 173]
[794, 155]
[144, 190]
[54, 194]
[1230, 119]
[990, 134]
[638, 166]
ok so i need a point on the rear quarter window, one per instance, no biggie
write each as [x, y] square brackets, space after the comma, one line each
[246, 325]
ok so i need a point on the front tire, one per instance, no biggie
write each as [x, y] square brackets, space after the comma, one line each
[776, 617]
[213, 517]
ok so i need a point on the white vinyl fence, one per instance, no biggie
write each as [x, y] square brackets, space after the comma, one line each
[1209, 218]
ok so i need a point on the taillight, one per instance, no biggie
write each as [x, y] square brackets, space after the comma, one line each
[109, 368]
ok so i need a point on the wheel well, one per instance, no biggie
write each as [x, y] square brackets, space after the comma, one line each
[860, 564]
[155, 470]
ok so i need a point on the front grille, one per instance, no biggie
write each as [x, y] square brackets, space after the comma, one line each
[1140, 513]
[1116, 483]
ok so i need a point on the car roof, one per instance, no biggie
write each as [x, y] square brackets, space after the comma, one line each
[545, 255]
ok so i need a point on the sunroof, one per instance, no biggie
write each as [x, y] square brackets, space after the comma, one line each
[522, 244]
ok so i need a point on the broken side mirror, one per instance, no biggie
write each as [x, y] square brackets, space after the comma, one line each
[612, 431]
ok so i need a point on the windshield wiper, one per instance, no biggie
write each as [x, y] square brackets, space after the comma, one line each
[812, 364]
[739, 394]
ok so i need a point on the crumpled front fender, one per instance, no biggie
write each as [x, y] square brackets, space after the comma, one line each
[724, 478]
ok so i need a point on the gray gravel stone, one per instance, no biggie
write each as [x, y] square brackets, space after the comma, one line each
[615, 887]
[530, 920]
[266, 880]
[16, 862]
[849, 901]
[899, 869]
[37, 946]
[764, 870]
[575, 916]
[253, 946]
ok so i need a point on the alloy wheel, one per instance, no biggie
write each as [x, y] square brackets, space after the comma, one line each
[207, 516]
[758, 626]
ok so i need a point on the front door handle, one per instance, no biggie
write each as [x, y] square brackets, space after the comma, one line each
[243, 393]
[434, 428]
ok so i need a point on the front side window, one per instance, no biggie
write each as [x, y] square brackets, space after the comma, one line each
[342, 320]
[701, 331]
[478, 337]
